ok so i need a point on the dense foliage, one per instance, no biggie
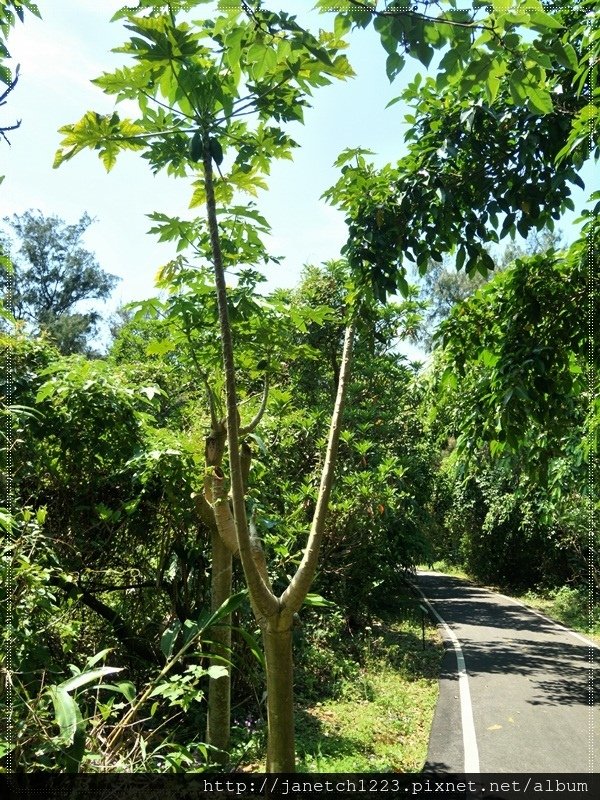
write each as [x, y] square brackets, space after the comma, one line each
[199, 447]
[109, 461]
[517, 407]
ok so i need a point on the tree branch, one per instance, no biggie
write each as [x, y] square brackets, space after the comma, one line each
[137, 646]
[264, 599]
[293, 597]
[245, 429]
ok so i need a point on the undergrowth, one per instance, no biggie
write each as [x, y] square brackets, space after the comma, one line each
[366, 690]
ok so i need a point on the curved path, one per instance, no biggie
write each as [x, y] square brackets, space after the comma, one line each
[525, 700]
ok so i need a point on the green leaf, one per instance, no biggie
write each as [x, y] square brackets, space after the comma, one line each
[516, 87]
[393, 66]
[66, 714]
[492, 85]
[565, 53]
[424, 53]
[160, 348]
[262, 59]
[126, 688]
[98, 657]
[342, 24]
[77, 681]
[488, 359]
[496, 448]
[539, 19]
[253, 645]
[316, 601]
[227, 608]
[448, 379]
[106, 133]
[46, 390]
[260, 442]
[167, 641]
[539, 99]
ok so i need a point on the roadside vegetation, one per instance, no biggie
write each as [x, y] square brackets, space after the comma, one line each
[207, 525]
[364, 697]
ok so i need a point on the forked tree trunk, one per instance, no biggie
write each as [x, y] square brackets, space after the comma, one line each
[275, 614]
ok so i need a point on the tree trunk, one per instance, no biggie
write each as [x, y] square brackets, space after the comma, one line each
[281, 750]
[218, 723]
[275, 614]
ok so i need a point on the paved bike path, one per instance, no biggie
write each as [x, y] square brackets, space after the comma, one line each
[530, 683]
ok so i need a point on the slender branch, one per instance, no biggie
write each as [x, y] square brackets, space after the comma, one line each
[294, 595]
[395, 12]
[251, 426]
[11, 127]
[10, 86]
[136, 645]
[265, 600]
[102, 587]
[149, 135]
[214, 420]
[3, 96]
[166, 105]
[472, 25]
[253, 99]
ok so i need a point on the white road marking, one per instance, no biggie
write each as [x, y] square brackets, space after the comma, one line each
[471, 752]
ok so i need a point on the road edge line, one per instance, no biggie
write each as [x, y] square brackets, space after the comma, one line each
[574, 634]
[470, 749]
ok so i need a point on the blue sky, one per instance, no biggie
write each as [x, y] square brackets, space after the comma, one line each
[60, 54]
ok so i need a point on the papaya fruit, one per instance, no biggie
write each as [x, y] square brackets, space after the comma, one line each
[196, 147]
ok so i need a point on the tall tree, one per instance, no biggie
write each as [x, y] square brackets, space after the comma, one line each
[211, 96]
[495, 141]
[52, 272]
[517, 404]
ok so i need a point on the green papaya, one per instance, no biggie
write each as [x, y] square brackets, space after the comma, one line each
[196, 147]
[216, 151]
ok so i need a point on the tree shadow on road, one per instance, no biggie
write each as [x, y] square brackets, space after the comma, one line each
[518, 642]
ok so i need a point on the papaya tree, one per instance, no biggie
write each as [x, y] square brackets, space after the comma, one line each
[184, 332]
[212, 96]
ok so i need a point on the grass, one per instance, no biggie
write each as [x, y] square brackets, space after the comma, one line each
[568, 606]
[379, 718]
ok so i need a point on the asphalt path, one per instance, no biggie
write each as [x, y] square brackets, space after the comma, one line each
[517, 690]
